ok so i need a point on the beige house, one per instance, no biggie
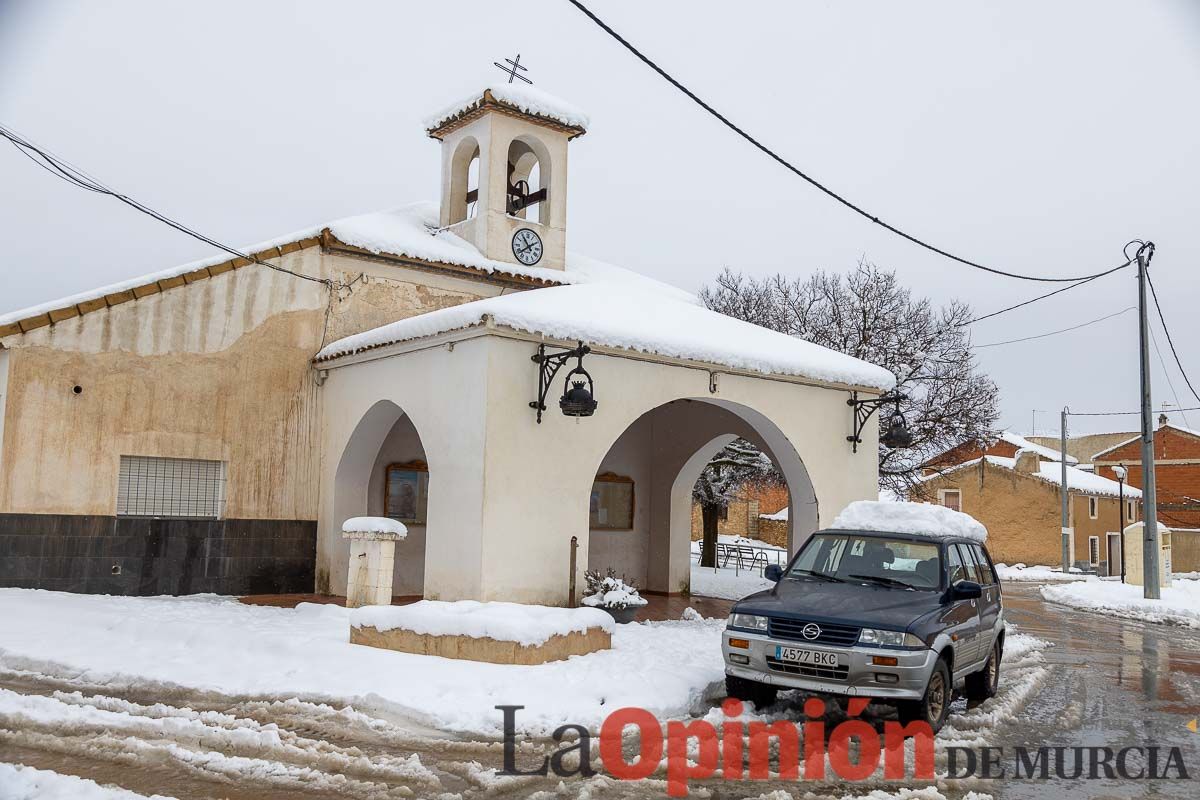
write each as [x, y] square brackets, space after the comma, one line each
[210, 427]
[1019, 499]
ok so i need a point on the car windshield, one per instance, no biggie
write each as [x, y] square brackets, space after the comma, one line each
[848, 557]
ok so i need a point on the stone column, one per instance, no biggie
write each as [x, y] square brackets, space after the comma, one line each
[372, 553]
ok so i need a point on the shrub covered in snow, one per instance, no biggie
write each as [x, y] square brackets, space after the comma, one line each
[609, 591]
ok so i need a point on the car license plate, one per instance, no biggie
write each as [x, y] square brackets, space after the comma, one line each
[818, 658]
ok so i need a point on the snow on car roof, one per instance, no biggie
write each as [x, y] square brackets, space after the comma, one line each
[923, 519]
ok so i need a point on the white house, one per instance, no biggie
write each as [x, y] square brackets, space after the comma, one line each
[210, 427]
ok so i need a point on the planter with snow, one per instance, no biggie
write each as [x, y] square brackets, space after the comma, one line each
[612, 594]
[496, 632]
[372, 557]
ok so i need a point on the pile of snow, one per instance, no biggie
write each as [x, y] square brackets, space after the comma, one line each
[1180, 603]
[18, 782]
[375, 525]
[210, 643]
[779, 516]
[611, 592]
[1021, 443]
[505, 622]
[1019, 573]
[917, 518]
[522, 97]
[606, 315]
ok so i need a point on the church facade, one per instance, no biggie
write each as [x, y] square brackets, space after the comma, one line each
[208, 428]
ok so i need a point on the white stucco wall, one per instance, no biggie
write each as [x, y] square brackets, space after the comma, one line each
[507, 494]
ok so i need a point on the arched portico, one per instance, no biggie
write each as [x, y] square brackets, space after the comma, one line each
[659, 457]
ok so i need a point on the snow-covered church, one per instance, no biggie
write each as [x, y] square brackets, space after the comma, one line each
[208, 428]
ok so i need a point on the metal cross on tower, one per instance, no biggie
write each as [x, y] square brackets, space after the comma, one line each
[512, 70]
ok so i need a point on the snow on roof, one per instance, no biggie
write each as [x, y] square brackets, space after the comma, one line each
[528, 99]
[410, 230]
[1021, 443]
[1137, 436]
[779, 516]
[1051, 472]
[902, 517]
[613, 316]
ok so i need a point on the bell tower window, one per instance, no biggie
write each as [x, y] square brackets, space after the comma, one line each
[527, 196]
[464, 180]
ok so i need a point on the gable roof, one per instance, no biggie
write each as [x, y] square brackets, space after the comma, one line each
[620, 316]
[1078, 480]
[514, 99]
[408, 233]
[1136, 437]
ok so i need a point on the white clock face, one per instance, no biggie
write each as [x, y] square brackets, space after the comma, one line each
[527, 247]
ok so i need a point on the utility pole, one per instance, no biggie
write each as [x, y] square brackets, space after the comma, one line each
[1067, 533]
[1150, 543]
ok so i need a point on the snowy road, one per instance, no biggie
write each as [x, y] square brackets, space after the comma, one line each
[1101, 681]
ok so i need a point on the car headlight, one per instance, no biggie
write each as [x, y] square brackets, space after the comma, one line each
[889, 638]
[750, 622]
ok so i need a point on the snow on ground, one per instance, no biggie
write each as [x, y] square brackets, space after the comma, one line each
[727, 583]
[1180, 603]
[922, 518]
[505, 622]
[19, 782]
[211, 643]
[1037, 574]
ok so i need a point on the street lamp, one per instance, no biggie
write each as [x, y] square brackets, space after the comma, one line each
[895, 436]
[578, 397]
[1121, 472]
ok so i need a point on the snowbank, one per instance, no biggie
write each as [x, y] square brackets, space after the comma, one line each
[504, 622]
[375, 525]
[612, 592]
[922, 518]
[1180, 603]
[18, 782]
[523, 97]
[1019, 573]
[725, 583]
[637, 321]
[211, 643]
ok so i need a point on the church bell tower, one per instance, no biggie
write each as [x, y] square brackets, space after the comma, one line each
[504, 173]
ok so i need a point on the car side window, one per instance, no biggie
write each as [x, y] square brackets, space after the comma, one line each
[955, 565]
[974, 568]
[986, 571]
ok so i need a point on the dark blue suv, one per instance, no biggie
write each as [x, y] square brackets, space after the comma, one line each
[897, 617]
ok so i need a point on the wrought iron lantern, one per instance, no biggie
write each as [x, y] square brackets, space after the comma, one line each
[897, 434]
[579, 390]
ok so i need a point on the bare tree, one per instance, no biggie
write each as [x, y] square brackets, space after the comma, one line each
[739, 466]
[868, 314]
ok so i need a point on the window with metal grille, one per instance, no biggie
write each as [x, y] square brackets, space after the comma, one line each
[171, 487]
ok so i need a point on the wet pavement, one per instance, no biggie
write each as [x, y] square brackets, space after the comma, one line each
[1102, 682]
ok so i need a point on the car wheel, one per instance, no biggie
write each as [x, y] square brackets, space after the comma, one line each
[760, 694]
[934, 707]
[982, 685]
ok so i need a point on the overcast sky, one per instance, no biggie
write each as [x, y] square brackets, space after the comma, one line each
[1037, 137]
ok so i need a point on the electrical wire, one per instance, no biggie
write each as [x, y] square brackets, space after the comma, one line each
[813, 181]
[1170, 383]
[1055, 333]
[1032, 300]
[1122, 413]
[1167, 331]
[64, 170]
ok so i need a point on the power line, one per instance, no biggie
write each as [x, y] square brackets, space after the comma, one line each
[1055, 333]
[813, 181]
[1032, 300]
[1163, 365]
[64, 170]
[1121, 413]
[1170, 343]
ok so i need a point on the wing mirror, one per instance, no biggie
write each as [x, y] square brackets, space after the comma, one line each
[966, 590]
[773, 572]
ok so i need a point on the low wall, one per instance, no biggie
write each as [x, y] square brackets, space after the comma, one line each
[556, 648]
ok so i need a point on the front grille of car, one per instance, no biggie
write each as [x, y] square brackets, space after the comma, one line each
[837, 635]
[809, 670]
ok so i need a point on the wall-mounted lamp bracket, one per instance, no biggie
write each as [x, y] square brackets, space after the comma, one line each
[863, 409]
[548, 367]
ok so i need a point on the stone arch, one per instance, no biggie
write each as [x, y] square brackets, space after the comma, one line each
[664, 450]
[385, 435]
[464, 164]
[529, 160]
